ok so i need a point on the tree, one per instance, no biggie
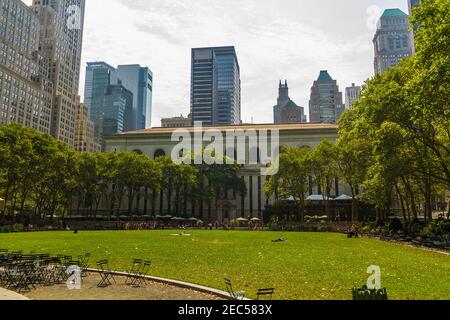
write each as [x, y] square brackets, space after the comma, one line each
[292, 179]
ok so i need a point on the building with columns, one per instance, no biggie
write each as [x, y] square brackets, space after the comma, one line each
[158, 142]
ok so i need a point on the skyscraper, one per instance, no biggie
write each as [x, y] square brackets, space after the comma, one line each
[60, 41]
[325, 105]
[392, 40]
[411, 5]
[215, 86]
[286, 111]
[85, 138]
[26, 93]
[139, 80]
[110, 104]
[351, 95]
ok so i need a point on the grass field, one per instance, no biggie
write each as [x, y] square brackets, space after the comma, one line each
[308, 266]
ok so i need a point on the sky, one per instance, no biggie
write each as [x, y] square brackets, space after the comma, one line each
[274, 39]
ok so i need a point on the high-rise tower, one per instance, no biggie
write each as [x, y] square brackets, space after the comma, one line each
[61, 25]
[215, 86]
[286, 111]
[325, 105]
[392, 40]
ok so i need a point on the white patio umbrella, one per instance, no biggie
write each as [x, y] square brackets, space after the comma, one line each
[344, 197]
[318, 197]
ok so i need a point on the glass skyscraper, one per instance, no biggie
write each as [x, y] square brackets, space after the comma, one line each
[215, 86]
[139, 80]
[326, 103]
[109, 103]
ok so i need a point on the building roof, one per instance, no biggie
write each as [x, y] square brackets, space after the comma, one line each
[281, 127]
[324, 76]
[393, 13]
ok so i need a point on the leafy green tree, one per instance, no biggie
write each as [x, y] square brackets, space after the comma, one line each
[292, 179]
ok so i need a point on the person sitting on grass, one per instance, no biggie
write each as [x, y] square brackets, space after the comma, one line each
[280, 240]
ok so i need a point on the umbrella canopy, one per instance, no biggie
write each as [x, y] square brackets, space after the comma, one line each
[255, 219]
[193, 219]
[241, 219]
[164, 217]
[344, 197]
[177, 218]
[318, 197]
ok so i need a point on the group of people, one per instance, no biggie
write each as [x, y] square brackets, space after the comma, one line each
[140, 226]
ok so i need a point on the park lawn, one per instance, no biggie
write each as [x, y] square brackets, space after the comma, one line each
[309, 266]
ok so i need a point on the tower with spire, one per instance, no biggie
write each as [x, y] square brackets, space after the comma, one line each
[286, 111]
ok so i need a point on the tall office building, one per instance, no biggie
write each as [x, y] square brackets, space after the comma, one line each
[85, 138]
[89, 80]
[286, 111]
[352, 94]
[110, 104]
[60, 41]
[392, 40]
[325, 105]
[25, 90]
[139, 80]
[411, 5]
[215, 86]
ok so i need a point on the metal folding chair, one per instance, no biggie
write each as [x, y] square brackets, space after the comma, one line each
[140, 279]
[133, 273]
[265, 293]
[105, 274]
[235, 295]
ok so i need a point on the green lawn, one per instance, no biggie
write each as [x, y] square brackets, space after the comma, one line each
[308, 266]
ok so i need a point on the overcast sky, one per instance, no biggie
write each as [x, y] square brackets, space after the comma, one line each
[274, 39]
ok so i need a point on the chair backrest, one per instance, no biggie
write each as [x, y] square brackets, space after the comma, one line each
[146, 268]
[230, 288]
[136, 266]
[103, 265]
[265, 292]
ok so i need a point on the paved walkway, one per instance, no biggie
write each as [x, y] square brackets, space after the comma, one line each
[118, 291]
[9, 295]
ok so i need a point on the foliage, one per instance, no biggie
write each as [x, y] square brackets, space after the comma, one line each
[395, 225]
[439, 229]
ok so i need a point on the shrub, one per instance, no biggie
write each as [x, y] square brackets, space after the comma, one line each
[415, 228]
[395, 225]
[200, 223]
[17, 227]
[439, 229]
